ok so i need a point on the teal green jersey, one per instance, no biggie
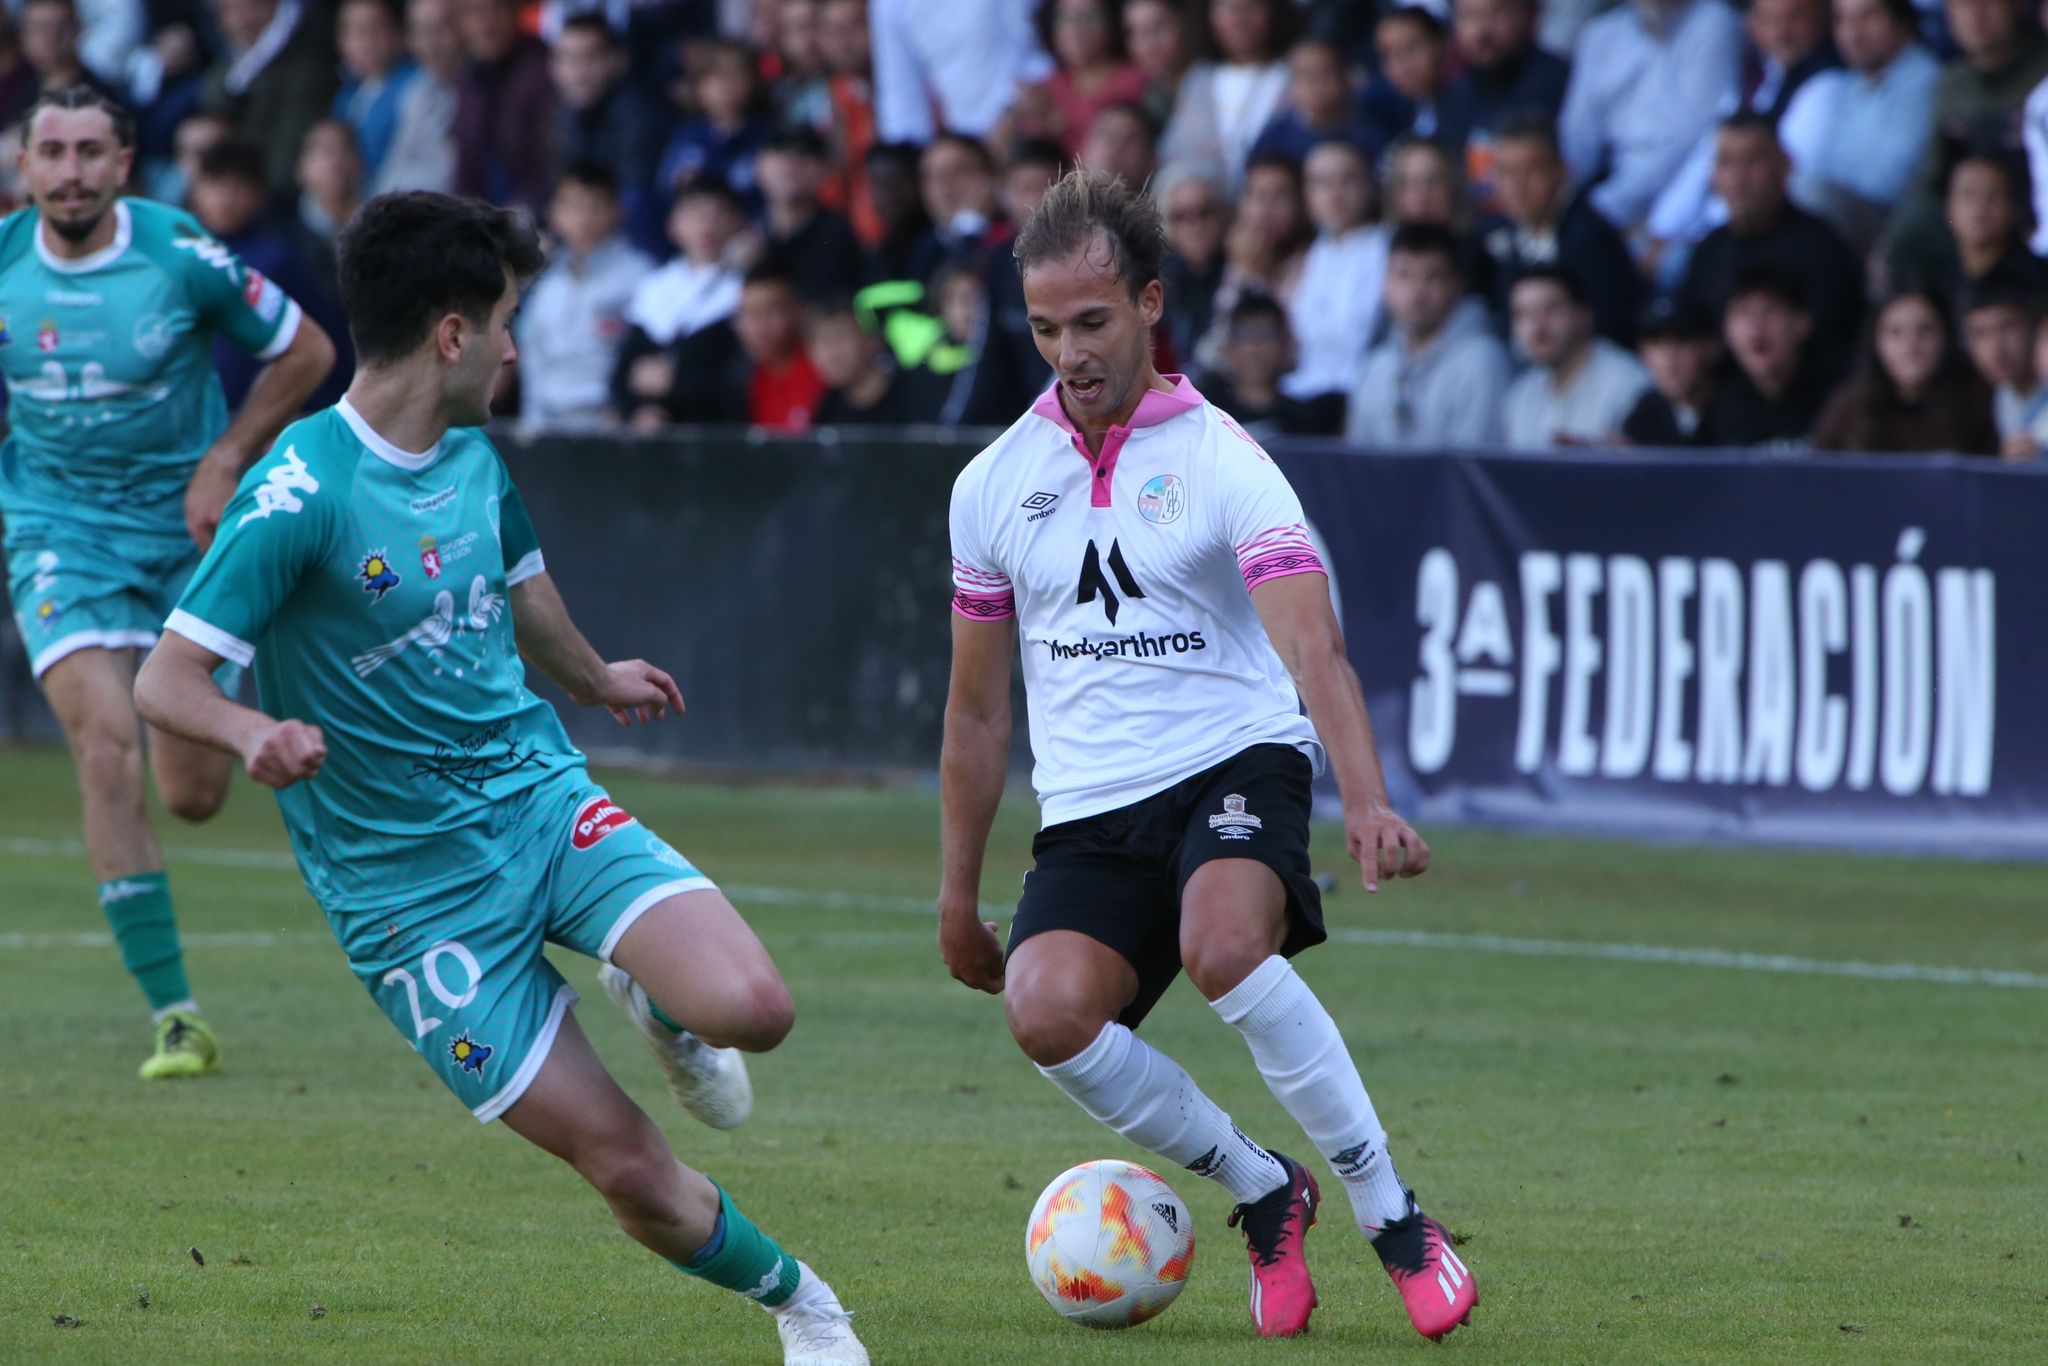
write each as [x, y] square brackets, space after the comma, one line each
[112, 396]
[369, 586]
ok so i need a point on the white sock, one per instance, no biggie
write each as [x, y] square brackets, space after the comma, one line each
[1146, 1096]
[811, 1295]
[156, 1017]
[1306, 1065]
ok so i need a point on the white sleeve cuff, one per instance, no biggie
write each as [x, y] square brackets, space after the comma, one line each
[211, 637]
[287, 331]
[529, 565]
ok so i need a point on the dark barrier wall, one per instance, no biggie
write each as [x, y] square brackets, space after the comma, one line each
[1770, 649]
[1800, 651]
[798, 592]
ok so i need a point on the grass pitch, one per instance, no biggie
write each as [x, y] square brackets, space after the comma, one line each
[1652, 1155]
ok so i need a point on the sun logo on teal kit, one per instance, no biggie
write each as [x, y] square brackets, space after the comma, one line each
[377, 575]
[470, 1055]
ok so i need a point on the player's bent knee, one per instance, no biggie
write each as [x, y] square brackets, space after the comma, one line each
[1222, 959]
[194, 802]
[1050, 1027]
[770, 1015]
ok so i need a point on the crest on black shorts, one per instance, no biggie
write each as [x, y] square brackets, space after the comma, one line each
[1234, 822]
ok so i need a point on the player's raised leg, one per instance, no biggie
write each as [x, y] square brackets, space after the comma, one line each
[575, 1110]
[701, 990]
[1063, 993]
[90, 691]
[1233, 924]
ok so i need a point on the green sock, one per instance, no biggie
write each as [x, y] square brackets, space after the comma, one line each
[138, 908]
[661, 1016]
[743, 1259]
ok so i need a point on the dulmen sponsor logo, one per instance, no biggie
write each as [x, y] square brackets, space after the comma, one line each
[598, 818]
[1834, 677]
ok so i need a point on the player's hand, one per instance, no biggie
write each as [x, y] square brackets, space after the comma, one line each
[973, 952]
[1384, 845]
[206, 497]
[285, 753]
[634, 690]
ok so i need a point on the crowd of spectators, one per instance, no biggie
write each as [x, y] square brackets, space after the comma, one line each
[1411, 223]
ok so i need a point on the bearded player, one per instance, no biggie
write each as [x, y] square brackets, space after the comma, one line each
[1174, 618]
[111, 482]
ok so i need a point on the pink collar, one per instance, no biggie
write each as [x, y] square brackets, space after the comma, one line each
[1154, 408]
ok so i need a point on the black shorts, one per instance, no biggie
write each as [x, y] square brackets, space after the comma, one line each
[1117, 877]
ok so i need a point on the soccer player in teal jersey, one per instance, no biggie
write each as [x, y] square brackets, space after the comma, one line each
[120, 459]
[380, 570]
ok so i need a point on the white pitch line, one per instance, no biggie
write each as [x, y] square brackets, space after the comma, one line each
[1666, 955]
[194, 939]
[1693, 958]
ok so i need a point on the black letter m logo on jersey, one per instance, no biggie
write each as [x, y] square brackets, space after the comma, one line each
[1093, 582]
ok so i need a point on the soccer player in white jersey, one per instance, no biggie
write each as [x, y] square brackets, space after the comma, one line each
[1174, 618]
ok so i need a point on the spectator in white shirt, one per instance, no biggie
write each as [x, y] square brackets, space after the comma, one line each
[659, 377]
[575, 315]
[1578, 388]
[1224, 105]
[1856, 136]
[1648, 81]
[966, 57]
[1336, 307]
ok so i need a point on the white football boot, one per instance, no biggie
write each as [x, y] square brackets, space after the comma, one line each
[711, 1083]
[815, 1330]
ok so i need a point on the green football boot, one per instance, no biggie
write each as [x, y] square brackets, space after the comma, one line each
[184, 1048]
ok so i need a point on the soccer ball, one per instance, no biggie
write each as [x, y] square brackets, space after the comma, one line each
[1109, 1244]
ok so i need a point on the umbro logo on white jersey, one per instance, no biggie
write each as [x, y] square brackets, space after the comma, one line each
[1040, 506]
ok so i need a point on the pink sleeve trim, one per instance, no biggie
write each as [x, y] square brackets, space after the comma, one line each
[1293, 536]
[974, 580]
[1277, 553]
[1280, 564]
[984, 606]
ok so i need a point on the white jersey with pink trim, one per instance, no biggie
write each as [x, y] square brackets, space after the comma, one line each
[1130, 576]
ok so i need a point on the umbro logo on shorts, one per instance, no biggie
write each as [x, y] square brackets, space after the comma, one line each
[598, 818]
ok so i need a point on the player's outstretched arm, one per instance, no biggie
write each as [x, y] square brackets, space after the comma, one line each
[1298, 619]
[175, 692]
[279, 391]
[972, 763]
[631, 690]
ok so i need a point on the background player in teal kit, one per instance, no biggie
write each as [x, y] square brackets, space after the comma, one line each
[379, 569]
[112, 480]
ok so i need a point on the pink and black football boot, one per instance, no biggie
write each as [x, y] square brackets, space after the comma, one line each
[1283, 1296]
[1437, 1288]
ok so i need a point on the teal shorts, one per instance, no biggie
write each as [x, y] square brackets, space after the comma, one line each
[78, 589]
[463, 976]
